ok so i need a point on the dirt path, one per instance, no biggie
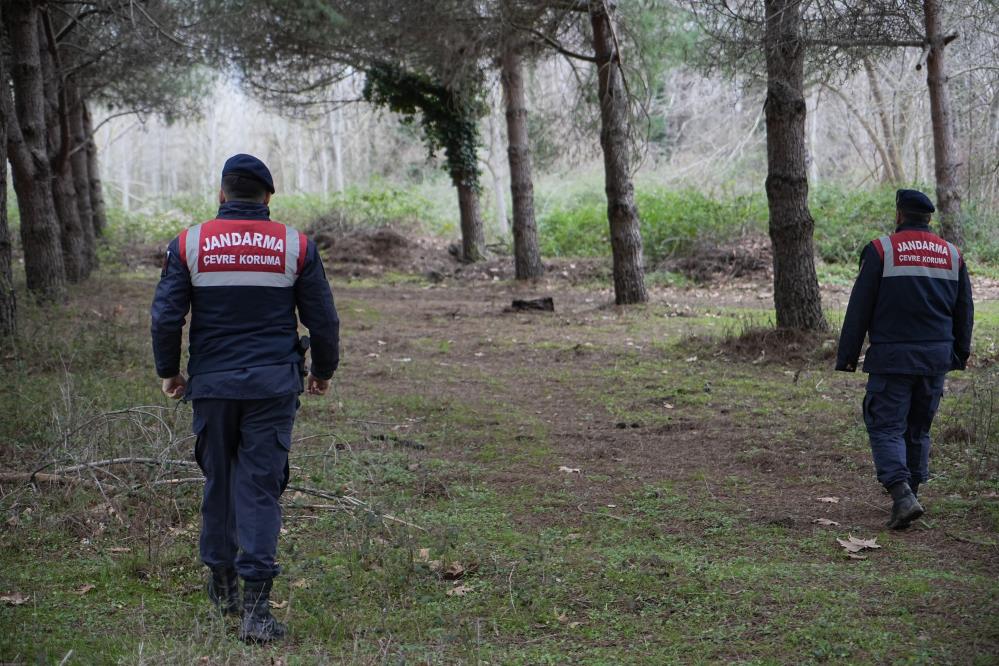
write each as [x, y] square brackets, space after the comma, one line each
[768, 448]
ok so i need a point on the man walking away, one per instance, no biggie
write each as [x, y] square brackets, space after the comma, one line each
[243, 276]
[913, 297]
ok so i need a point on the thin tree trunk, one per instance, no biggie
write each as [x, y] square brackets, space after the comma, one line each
[94, 173]
[622, 213]
[944, 147]
[526, 258]
[31, 171]
[796, 287]
[336, 121]
[894, 166]
[472, 237]
[813, 141]
[8, 299]
[81, 179]
[495, 170]
[63, 192]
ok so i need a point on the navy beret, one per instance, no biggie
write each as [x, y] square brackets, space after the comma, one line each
[913, 201]
[251, 167]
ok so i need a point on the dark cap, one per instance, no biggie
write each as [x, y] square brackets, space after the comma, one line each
[913, 201]
[251, 167]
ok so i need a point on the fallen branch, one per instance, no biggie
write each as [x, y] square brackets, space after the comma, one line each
[353, 501]
[156, 462]
[40, 477]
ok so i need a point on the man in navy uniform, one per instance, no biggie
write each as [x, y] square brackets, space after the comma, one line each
[242, 276]
[913, 297]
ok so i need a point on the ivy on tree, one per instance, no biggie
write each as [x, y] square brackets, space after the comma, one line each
[449, 122]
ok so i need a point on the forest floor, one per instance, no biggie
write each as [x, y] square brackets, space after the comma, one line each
[598, 485]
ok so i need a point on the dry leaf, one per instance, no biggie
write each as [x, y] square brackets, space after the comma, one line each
[855, 545]
[570, 470]
[828, 500]
[301, 583]
[423, 555]
[84, 589]
[854, 556]
[573, 625]
[825, 521]
[866, 543]
[459, 591]
[120, 549]
[278, 604]
[14, 598]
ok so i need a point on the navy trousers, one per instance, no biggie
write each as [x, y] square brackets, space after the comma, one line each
[898, 412]
[242, 448]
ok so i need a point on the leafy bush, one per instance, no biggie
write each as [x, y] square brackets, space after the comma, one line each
[377, 207]
[846, 220]
[673, 223]
[676, 222]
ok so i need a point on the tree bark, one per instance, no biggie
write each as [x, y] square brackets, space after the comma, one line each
[94, 173]
[8, 299]
[81, 179]
[622, 213]
[796, 286]
[944, 147]
[472, 237]
[30, 167]
[893, 169]
[527, 260]
[63, 193]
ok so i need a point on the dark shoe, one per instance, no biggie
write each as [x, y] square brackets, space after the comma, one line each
[915, 488]
[259, 626]
[223, 590]
[905, 508]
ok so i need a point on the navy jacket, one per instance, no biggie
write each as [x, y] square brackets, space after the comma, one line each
[242, 277]
[913, 297]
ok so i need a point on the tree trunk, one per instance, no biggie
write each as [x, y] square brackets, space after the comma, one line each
[81, 179]
[944, 147]
[336, 147]
[63, 193]
[527, 260]
[622, 213]
[94, 173]
[29, 157]
[8, 300]
[894, 167]
[796, 287]
[472, 238]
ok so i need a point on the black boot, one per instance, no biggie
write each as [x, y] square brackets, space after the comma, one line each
[905, 508]
[223, 590]
[259, 626]
[914, 485]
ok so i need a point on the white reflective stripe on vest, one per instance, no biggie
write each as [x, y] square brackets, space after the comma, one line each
[191, 251]
[244, 278]
[891, 270]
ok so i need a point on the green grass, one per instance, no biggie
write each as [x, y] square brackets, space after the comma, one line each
[691, 567]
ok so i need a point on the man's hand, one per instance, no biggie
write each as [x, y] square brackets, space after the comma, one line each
[174, 387]
[317, 386]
